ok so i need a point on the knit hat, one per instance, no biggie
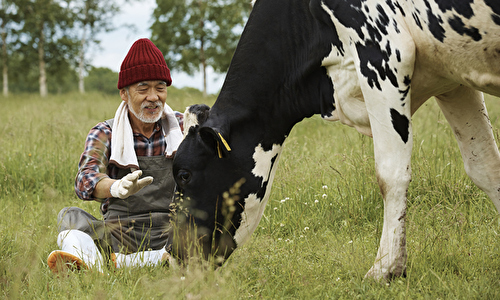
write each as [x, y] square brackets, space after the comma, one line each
[144, 61]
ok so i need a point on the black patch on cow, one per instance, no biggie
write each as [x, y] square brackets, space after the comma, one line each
[417, 21]
[435, 24]
[327, 31]
[396, 28]
[401, 10]
[495, 6]
[391, 5]
[371, 57]
[404, 94]
[350, 14]
[401, 124]
[382, 20]
[462, 7]
[407, 80]
[459, 26]
[327, 101]
[496, 19]
[262, 191]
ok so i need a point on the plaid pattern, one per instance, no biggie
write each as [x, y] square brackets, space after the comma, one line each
[94, 161]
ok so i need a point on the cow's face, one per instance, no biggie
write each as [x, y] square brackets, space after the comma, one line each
[222, 187]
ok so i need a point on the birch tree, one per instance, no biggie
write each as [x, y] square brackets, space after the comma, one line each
[46, 28]
[8, 18]
[94, 16]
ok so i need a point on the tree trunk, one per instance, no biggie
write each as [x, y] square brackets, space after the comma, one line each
[41, 61]
[202, 57]
[81, 64]
[5, 72]
[203, 69]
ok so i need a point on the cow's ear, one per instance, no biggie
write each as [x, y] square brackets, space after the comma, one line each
[194, 115]
[215, 140]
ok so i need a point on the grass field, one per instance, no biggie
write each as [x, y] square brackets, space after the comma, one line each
[317, 239]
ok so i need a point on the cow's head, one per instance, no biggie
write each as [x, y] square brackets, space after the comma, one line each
[221, 188]
[225, 165]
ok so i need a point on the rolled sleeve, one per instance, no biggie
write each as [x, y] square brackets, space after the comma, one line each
[93, 165]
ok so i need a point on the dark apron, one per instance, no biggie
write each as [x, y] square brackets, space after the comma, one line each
[141, 221]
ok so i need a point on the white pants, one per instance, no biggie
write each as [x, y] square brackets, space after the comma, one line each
[78, 243]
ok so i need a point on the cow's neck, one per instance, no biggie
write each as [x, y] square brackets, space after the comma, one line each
[265, 105]
[276, 78]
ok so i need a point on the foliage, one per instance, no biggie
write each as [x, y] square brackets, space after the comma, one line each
[46, 40]
[319, 234]
[93, 16]
[45, 27]
[8, 20]
[102, 80]
[194, 34]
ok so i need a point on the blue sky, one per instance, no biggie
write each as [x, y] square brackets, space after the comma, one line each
[115, 45]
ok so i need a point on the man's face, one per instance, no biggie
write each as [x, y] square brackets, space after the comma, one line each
[146, 99]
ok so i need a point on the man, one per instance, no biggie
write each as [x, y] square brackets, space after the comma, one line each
[140, 140]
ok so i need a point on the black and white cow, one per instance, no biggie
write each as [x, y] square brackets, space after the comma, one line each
[368, 63]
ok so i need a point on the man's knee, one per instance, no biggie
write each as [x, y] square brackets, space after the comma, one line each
[74, 218]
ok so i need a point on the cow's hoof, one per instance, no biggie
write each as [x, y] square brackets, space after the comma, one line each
[383, 275]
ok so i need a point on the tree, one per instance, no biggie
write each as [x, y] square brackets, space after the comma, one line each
[8, 19]
[102, 80]
[94, 16]
[46, 28]
[194, 34]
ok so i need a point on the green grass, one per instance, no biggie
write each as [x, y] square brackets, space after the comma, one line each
[319, 234]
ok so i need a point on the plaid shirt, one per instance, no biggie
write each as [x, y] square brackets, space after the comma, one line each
[94, 161]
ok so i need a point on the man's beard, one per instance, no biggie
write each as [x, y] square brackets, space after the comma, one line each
[147, 118]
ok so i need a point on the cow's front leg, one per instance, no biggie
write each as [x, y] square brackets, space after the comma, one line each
[389, 108]
[393, 171]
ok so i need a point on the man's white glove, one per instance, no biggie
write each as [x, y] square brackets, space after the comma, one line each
[129, 185]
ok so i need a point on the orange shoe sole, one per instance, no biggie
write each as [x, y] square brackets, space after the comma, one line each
[60, 261]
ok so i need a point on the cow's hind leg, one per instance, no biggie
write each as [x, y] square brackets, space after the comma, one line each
[466, 113]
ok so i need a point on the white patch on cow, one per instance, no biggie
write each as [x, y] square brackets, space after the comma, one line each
[190, 120]
[263, 159]
[349, 102]
[254, 206]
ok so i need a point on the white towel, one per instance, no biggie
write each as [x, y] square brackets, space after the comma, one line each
[122, 138]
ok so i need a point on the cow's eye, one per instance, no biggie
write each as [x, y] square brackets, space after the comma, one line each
[184, 176]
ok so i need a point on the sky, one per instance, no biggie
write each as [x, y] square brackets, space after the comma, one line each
[115, 45]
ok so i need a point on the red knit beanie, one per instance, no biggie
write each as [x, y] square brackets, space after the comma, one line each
[144, 61]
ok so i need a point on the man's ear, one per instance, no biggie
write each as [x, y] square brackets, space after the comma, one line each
[213, 139]
[124, 95]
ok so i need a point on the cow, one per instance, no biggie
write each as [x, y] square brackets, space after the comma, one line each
[369, 64]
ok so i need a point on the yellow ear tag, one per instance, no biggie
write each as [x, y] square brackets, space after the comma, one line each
[218, 150]
[224, 142]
